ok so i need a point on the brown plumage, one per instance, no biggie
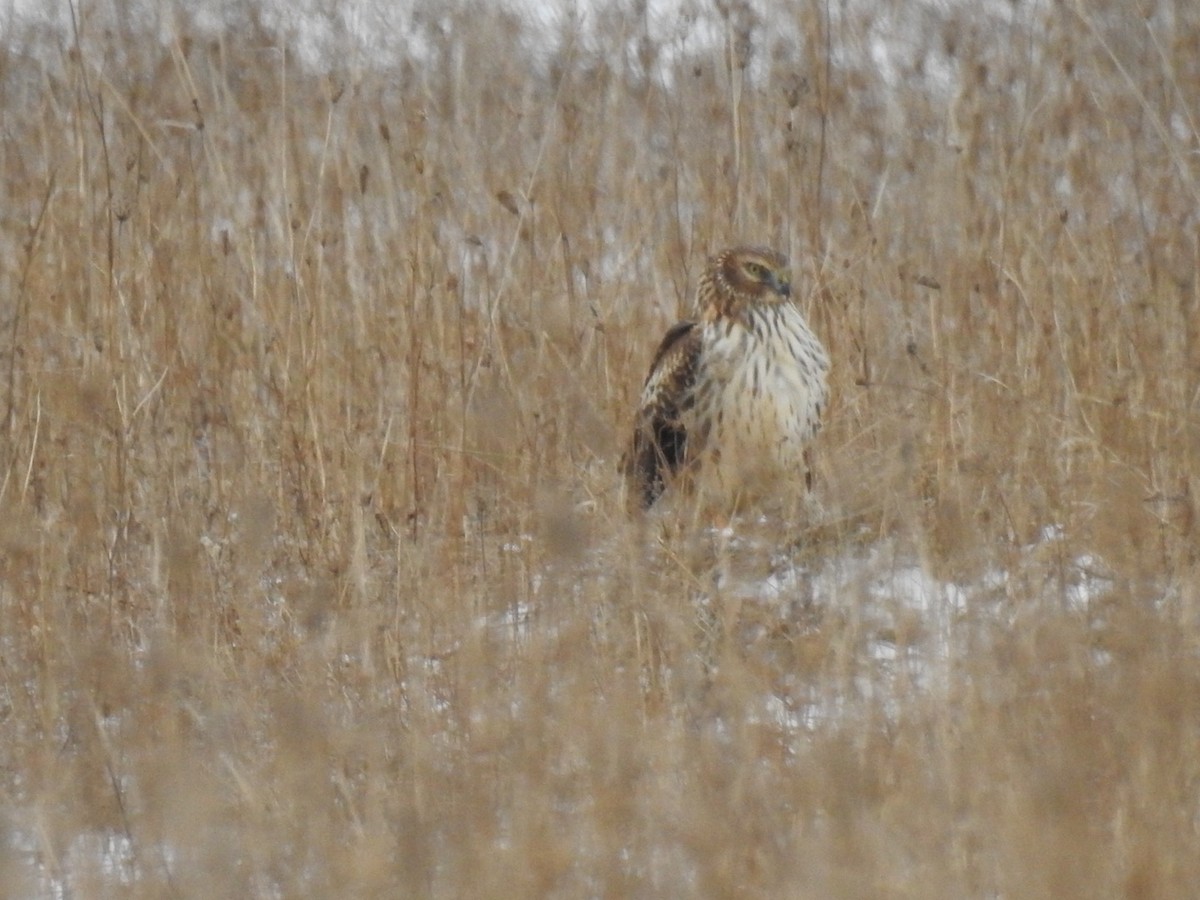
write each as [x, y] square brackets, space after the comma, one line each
[734, 396]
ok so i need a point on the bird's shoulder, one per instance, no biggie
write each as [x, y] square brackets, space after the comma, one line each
[675, 360]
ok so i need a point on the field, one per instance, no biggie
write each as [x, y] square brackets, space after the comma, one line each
[320, 342]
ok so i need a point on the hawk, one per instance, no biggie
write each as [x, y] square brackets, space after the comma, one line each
[734, 396]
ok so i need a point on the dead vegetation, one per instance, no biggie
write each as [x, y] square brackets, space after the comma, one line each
[314, 580]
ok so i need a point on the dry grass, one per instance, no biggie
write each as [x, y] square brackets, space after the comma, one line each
[314, 579]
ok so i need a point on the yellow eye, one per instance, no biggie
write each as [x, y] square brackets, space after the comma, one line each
[757, 271]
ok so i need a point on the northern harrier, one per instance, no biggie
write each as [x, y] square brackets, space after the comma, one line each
[733, 397]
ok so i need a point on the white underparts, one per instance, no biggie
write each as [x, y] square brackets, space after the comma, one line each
[760, 402]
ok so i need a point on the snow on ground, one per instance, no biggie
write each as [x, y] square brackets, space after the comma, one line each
[914, 626]
[910, 626]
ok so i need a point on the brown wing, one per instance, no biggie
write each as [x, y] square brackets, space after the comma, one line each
[659, 446]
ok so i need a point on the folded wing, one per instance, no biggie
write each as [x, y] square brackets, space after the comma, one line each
[659, 448]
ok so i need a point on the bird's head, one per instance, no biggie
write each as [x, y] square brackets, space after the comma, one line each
[749, 275]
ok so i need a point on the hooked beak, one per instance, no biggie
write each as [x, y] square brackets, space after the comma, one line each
[782, 285]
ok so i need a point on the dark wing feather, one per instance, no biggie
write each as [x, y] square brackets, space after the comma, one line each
[659, 446]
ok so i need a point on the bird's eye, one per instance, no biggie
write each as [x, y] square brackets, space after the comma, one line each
[756, 270]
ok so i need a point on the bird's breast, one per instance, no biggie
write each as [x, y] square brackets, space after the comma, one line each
[763, 391]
